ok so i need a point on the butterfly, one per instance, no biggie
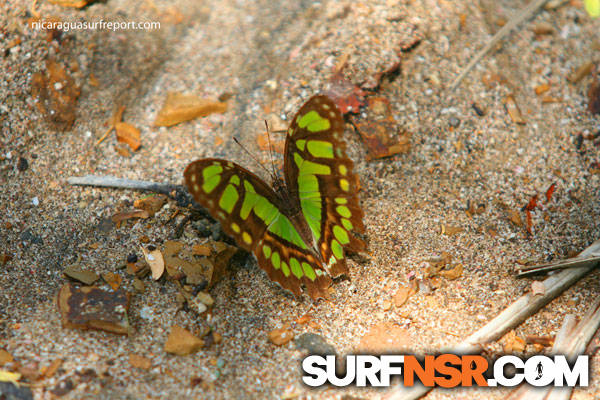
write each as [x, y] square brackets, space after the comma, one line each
[299, 228]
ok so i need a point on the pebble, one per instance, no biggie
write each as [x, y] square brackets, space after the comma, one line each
[22, 164]
[182, 342]
[35, 201]
[314, 344]
[454, 121]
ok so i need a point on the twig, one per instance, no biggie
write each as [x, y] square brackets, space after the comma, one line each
[175, 192]
[521, 16]
[512, 316]
[573, 262]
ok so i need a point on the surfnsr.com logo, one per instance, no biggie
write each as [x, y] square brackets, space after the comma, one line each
[446, 370]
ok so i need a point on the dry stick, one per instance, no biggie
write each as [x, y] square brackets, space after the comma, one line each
[561, 264]
[512, 316]
[122, 183]
[521, 16]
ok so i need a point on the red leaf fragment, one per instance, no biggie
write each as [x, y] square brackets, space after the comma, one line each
[550, 192]
[532, 203]
[347, 96]
[529, 222]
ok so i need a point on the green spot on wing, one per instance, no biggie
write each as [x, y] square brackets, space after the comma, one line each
[320, 148]
[341, 200]
[314, 122]
[340, 234]
[283, 228]
[267, 251]
[235, 180]
[309, 271]
[228, 199]
[306, 167]
[285, 269]
[347, 224]
[275, 260]
[212, 170]
[336, 248]
[296, 269]
[343, 211]
[307, 118]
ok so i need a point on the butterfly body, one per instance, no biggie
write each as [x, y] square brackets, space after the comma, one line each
[298, 229]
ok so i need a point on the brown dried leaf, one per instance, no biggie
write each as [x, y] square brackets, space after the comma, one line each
[123, 216]
[594, 94]
[450, 230]
[281, 336]
[128, 134]
[113, 280]
[5, 357]
[51, 369]
[151, 204]
[513, 110]
[182, 342]
[402, 295]
[72, 3]
[83, 276]
[202, 249]
[138, 361]
[90, 307]
[515, 217]
[453, 273]
[184, 107]
[347, 96]
[56, 93]
[582, 71]
[379, 131]
[155, 260]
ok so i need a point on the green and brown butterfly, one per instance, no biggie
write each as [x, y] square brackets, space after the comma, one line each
[299, 229]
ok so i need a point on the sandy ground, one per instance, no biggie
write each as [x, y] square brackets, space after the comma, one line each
[271, 57]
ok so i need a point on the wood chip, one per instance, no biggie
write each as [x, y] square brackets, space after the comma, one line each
[151, 204]
[5, 357]
[513, 343]
[538, 288]
[582, 71]
[182, 342]
[125, 215]
[184, 107]
[51, 369]
[202, 249]
[450, 230]
[453, 273]
[402, 295]
[541, 89]
[113, 280]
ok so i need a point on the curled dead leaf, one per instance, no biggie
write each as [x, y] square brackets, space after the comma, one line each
[155, 260]
[184, 107]
[151, 204]
[453, 273]
[128, 134]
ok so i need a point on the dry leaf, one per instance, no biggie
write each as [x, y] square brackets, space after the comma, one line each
[182, 342]
[513, 110]
[184, 107]
[113, 280]
[347, 96]
[51, 369]
[202, 249]
[402, 296]
[281, 336]
[151, 204]
[123, 216]
[5, 357]
[515, 217]
[450, 230]
[453, 273]
[128, 134]
[155, 260]
[138, 361]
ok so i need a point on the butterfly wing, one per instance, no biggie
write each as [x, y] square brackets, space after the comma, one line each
[319, 176]
[252, 213]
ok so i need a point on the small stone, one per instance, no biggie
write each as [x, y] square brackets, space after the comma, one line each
[22, 164]
[281, 336]
[197, 306]
[35, 201]
[182, 342]
[94, 308]
[132, 258]
[83, 276]
[28, 236]
[205, 298]
[314, 344]
[454, 121]
[10, 391]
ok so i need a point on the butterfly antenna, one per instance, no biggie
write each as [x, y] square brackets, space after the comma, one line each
[251, 155]
[270, 150]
